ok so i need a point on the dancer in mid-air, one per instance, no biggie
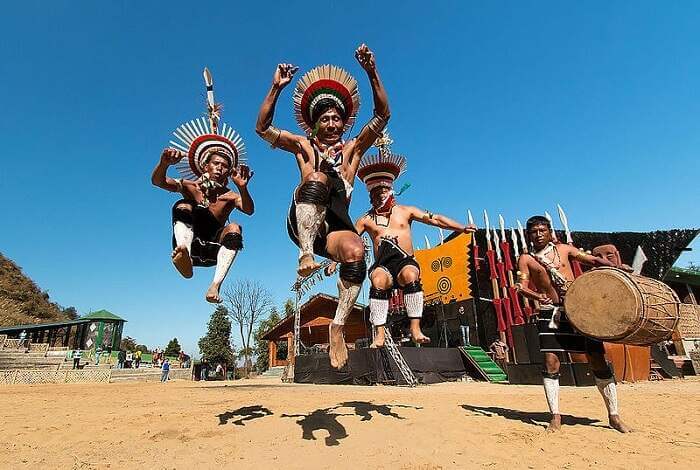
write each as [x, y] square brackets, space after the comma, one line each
[326, 102]
[389, 226]
[202, 235]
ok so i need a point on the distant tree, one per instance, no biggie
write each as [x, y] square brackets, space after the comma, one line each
[143, 348]
[288, 307]
[71, 313]
[262, 357]
[128, 344]
[248, 301]
[215, 346]
[173, 348]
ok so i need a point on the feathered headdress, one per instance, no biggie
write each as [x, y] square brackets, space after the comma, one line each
[381, 169]
[200, 138]
[320, 87]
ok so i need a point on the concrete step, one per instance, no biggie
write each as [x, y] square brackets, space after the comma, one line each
[273, 372]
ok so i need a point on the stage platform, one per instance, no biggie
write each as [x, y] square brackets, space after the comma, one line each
[374, 366]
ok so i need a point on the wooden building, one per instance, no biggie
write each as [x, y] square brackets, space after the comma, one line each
[316, 314]
[101, 328]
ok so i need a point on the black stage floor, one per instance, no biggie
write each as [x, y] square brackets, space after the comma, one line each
[372, 366]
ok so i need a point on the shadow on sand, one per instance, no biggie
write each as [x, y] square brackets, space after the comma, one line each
[247, 413]
[365, 408]
[534, 418]
[326, 419]
[318, 420]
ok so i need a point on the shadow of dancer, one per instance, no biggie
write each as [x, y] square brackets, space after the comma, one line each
[364, 409]
[534, 418]
[321, 419]
[248, 413]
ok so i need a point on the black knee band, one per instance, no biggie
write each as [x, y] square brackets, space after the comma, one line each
[603, 374]
[379, 294]
[412, 287]
[182, 215]
[548, 375]
[313, 192]
[354, 271]
[232, 241]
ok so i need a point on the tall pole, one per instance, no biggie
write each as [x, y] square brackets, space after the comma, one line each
[508, 261]
[493, 275]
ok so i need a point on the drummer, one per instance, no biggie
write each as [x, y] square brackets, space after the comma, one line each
[547, 269]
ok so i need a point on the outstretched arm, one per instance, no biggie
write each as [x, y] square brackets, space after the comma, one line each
[441, 221]
[276, 137]
[590, 260]
[376, 125]
[241, 178]
[170, 156]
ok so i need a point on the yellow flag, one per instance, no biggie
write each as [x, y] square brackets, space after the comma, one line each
[445, 269]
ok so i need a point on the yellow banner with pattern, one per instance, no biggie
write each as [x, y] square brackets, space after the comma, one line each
[445, 269]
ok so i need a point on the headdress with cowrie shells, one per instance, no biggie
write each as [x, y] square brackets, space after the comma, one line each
[201, 138]
[318, 88]
[381, 169]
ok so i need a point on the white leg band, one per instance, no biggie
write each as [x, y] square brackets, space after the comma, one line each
[608, 389]
[414, 304]
[551, 391]
[224, 260]
[378, 310]
[309, 219]
[347, 295]
[183, 235]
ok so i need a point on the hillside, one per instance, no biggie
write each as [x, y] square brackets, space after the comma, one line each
[21, 300]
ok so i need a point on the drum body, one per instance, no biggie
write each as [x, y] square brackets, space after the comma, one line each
[612, 305]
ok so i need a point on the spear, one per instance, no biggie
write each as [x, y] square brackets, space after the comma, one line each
[575, 265]
[475, 246]
[516, 251]
[507, 314]
[427, 243]
[491, 256]
[513, 294]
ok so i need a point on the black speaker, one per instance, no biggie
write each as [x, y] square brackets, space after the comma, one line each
[533, 343]
[520, 347]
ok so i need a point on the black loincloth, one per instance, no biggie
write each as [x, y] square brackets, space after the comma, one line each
[207, 230]
[337, 217]
[392, 259]
[565, 338]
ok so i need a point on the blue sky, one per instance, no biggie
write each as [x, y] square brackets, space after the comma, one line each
[597, 102]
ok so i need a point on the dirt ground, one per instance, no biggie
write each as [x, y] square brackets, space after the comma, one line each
[263, 423]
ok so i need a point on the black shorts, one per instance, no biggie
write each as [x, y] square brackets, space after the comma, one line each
[337, 217]
[564, 338]
[392, 259]
[207, 231]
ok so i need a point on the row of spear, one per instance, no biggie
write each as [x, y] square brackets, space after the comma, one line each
[510, 307]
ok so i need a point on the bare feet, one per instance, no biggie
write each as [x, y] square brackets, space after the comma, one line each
[378, 338]
[554, 424]
[182, 261]
[338, 351]
[617, 424]
[213, 294]
[306, 265]
[418, 337]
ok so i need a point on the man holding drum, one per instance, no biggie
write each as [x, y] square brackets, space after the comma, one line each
[547, 268]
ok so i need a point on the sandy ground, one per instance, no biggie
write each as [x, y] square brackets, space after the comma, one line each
[263, 423]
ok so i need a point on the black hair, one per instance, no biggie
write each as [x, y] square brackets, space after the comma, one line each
[324, 105]
[537, 220]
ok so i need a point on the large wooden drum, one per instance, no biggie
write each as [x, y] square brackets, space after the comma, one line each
[612, 305]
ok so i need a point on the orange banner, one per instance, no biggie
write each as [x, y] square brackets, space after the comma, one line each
[445, 269]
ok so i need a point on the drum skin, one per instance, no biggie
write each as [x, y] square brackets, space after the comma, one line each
[612, 305]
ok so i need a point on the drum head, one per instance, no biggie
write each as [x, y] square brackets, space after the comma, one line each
[604, 304]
